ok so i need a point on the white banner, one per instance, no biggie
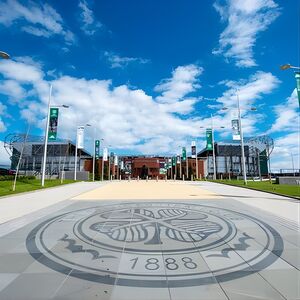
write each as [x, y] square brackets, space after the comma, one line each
[236, 135]
[80, 137]
[116, 160]
[105, 154]
[122, 165]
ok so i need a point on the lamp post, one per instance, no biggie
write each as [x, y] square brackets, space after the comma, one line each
[213, 144]
[46, 135]
[297, 77]
[76, 150]
[241, 135]
[242, 139]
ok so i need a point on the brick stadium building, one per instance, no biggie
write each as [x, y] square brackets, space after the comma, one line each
[145, 167]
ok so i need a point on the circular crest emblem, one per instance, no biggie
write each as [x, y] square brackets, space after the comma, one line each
[155, 244]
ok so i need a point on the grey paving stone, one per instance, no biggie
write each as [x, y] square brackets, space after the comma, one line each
[6, 279]
[33, 286]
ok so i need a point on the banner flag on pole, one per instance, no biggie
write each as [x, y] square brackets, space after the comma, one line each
[97, 149]
[53, 121]
[116, 160]
[80, 137]
[174, 161]
[236, 134]
[183, 154]
[105, 154]
[209, 145]
[178, 159]
[297, 76]
[193, 149]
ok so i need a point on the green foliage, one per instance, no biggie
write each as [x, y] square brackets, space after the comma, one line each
[266, 186]
[27, 185]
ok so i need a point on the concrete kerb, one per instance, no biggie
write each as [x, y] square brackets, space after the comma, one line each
[43, 189]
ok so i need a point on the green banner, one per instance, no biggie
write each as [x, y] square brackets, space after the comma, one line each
[53, 120]
[183, 154]
[209, 145]
[297, 76]
[174, 161]
[97, 149]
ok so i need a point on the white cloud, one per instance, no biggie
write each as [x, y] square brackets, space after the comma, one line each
[4, 157]
[2, 126]
[245, 20]
[287, 115]
[89, 24]
[127, 118]
[286, 151]
[250, 91]
[35, 19]
[12, 89]
[184, 80]
[117, 61]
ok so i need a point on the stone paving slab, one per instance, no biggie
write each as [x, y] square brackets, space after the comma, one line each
[209, 248]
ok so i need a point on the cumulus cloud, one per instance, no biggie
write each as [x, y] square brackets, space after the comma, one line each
[245, 19]
[4, 157]
[184, 80]
[126, 117]
[117, 61]
[250, 91]
[36, 19]
[89, 25]
[287, 115]
[286, 151]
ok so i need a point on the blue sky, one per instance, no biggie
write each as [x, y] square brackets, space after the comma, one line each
[148, 74]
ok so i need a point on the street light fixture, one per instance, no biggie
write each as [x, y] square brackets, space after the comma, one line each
[4, 55]
[46, 135]
[297, 77]
[288, 66]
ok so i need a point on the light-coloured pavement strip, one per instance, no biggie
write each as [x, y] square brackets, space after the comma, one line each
[147, 190]
[148, 240]
[15, 206]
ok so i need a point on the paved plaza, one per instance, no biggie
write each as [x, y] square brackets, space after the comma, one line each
[141, 240]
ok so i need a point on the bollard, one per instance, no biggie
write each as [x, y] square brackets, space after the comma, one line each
[174, 177]
[110, 177]
[192, 177]
[138, 179]
[200, 176]
[156, 178]
[120, 177]
[221, 176]
[166, 178]
[183, 177]
[147, 178]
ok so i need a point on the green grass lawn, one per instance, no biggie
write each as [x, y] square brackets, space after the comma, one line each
[282, 189]
[27, 185]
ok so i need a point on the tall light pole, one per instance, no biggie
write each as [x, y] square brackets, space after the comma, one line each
[76, 150]
[213, 146]
[242, 139]
[46, 135]
[94, 156]
[242, 136]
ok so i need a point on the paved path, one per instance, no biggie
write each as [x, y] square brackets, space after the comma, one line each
[149, 240]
